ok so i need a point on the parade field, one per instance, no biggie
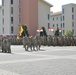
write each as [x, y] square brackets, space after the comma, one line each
[49, 60]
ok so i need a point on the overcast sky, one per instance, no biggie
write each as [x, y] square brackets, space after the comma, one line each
[57, 4]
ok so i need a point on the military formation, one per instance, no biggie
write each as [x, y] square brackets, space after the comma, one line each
[34, 43]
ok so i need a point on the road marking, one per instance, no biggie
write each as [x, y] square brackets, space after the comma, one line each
[5, 72]
[38, 59]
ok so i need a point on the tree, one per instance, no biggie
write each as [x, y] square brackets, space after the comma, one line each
[57, 32]
[43, 32]
[69, 33]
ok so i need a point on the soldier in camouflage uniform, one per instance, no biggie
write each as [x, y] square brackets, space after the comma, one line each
[38, 40]
[4, 46]
[29, 43]
[8, 49]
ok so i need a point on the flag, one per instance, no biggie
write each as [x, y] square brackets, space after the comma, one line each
[21, 30]
[51, 29]
[60, 29]
[39, 30]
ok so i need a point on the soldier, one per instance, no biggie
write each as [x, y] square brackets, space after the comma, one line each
[38, 40]
[48, 40]
[25, 41]
[4, 46]
[8, 49]
[29, 43]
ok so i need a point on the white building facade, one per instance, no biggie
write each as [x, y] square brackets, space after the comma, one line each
[44, 15]
[10, 17]
[67, 19]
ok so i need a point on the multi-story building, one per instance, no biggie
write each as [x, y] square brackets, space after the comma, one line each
[44, 15]
[0, 18]
[56, 21]
[10, 16]
[33, 13]
[67, 19]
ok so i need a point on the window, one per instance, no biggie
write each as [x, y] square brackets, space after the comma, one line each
[53, 25]
[53, 19]
[48, 25]
[19, 1]
[3, 21]
[72, 17]
[63, 18]
[19, 19]
[19, 10]
[2, 2]
[72, 9]
[11, 20]
[56, 18]
[72, 24]
[3, 30]
[73, 31]
[11, 1]
[63, 11]
[63, 32]
[11, 10]
[12, 29]
[61, 25]
[48, 16]
[3, 12]
[57, 25]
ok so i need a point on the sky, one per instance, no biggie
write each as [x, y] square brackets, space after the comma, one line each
[57, 4]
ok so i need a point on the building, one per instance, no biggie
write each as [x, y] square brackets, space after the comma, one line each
[67, 19]
[10, 16]
[44, 15]
[0, 18]
[33, 13]
[56, 21]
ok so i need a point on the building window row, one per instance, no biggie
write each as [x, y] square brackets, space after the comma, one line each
[61, 25]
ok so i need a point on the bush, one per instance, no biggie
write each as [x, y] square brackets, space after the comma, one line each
[69, 33]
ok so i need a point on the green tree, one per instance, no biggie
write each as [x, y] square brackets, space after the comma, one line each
[69, 33]
[57, 32]
[43, 32]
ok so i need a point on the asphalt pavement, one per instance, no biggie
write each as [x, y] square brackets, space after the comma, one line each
[47, 61]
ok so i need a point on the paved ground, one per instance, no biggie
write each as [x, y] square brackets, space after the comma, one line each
[47, 61]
